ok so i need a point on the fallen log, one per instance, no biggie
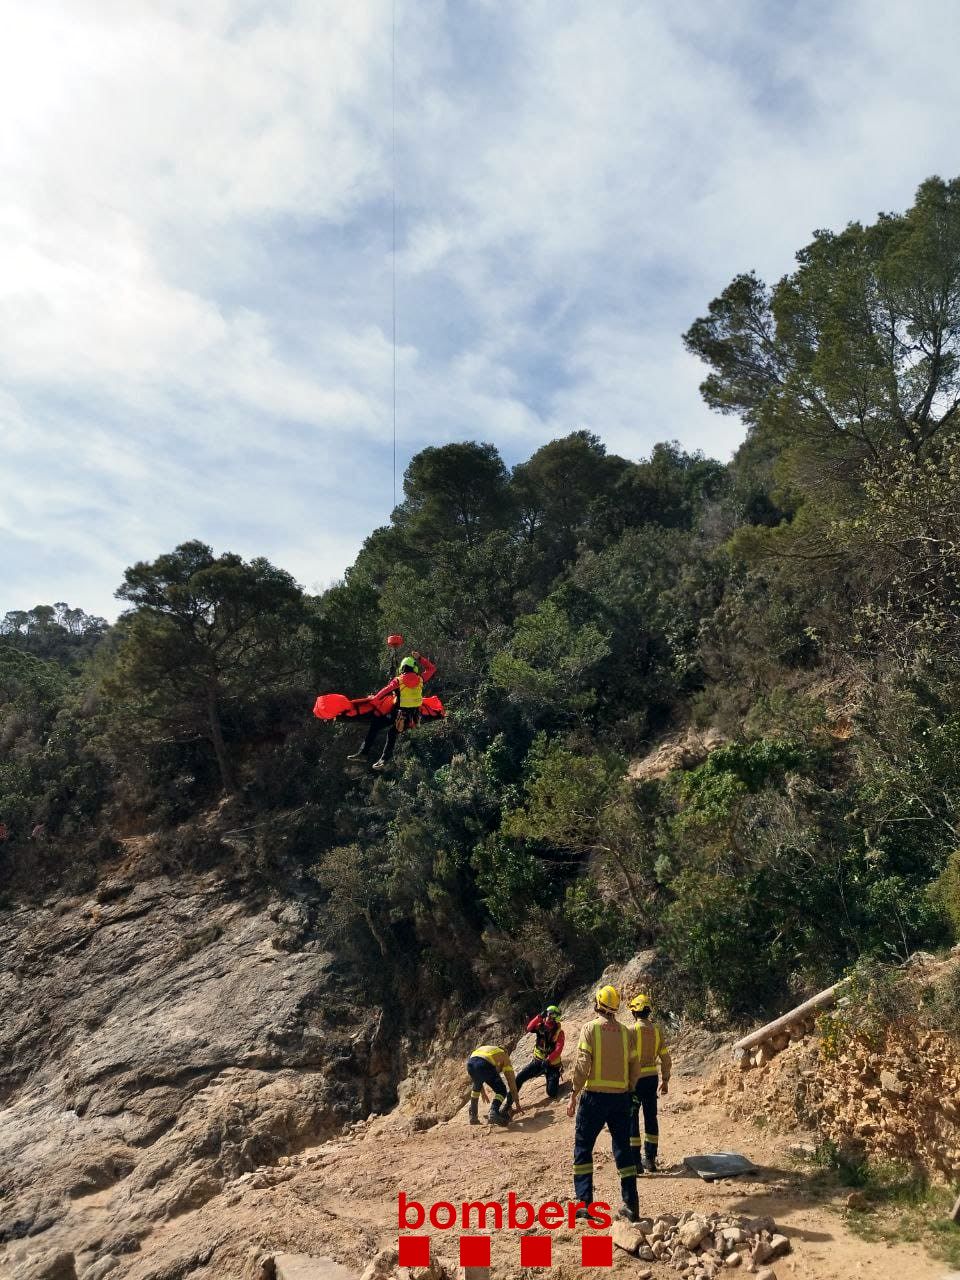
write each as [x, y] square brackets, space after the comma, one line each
[823, 1000]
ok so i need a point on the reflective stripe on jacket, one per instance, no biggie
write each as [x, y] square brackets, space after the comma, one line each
[549, 1046]
[653, 1050]
[495, 1055]
[606, 1058]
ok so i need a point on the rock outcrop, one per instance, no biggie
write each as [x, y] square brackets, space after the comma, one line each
[158, 1040]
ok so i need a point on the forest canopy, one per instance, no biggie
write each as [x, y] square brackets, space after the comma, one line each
[703, 707]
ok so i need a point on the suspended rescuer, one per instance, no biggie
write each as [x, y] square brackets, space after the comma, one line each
[407, 689]
[483, 1067]
[655, 1061]
[547, 1028]
[604, 1077]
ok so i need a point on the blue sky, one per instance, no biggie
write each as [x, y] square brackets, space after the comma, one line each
[195, 231]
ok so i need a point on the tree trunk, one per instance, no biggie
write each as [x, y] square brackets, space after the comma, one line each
[377, 935]
[628, 880]
[216, 737]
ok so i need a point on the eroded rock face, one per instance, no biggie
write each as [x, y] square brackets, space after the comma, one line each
[157, 1041]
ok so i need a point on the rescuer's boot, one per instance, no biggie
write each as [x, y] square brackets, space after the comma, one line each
[474, 1110]
[496, 1116]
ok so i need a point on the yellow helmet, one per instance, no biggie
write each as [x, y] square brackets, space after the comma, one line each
[640, 1002]
[608, 998]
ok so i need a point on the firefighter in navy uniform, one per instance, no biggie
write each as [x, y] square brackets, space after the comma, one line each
[655, 1061]
[547, 1052]
[603, 1079]
[483, 1067]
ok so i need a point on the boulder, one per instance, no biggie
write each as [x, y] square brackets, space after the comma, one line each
[627, 1236]
[301, 1266]
[156, 1045]
[102, 1267]
[892, 1084]
[54, 1264]
[768, 1250]
[382, 1264]
[692, 1232]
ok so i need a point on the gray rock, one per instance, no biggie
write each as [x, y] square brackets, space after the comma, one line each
[381, 1265]
[154, 1046]
[53, 1264]
[626, 1236]
[693, 1231]
[301, 1266]
[102, 1267]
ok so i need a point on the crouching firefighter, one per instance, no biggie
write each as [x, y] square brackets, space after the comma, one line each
[603, 1079]
[654, 1054]
[483, 1067]
[547, 1051]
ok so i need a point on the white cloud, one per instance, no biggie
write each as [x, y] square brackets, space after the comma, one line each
[195, 229]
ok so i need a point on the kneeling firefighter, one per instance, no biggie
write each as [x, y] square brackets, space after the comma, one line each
[483, 1067]
[547, 1052]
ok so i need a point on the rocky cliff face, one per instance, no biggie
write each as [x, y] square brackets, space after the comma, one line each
[158, 1040]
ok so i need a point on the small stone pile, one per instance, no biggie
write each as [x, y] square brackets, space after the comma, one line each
[701, 1248]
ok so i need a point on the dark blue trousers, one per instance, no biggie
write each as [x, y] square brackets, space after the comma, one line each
[540, 1067]
[482, 1071]
[645, 1100]
[595, 1111]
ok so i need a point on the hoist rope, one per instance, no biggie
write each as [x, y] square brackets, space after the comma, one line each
[393, 252]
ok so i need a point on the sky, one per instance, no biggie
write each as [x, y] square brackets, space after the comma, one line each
[196, 243]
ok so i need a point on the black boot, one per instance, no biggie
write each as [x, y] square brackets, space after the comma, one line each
[496, 1116]
[650, 1157]
[474, 1110]
[629, 1211]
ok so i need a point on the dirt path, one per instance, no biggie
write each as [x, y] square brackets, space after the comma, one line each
[340, 1199]
[454, 1162]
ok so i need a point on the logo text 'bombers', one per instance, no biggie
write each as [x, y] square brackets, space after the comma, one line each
[491, 1215]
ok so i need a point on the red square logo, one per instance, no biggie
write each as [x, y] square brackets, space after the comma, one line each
[596, 1251]
[474, 1251]
[414, 1251]
[535, 1251]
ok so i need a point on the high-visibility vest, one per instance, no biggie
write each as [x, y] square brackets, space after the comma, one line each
[610, 1056]
[650, 1046]
[546, 1041]
[495, 1055]
[411, 695]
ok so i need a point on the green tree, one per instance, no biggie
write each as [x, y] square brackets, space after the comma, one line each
[554, 491]
[854, 354]
[579, 803]
[207, 633]
[549, 660]
[453, 493]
